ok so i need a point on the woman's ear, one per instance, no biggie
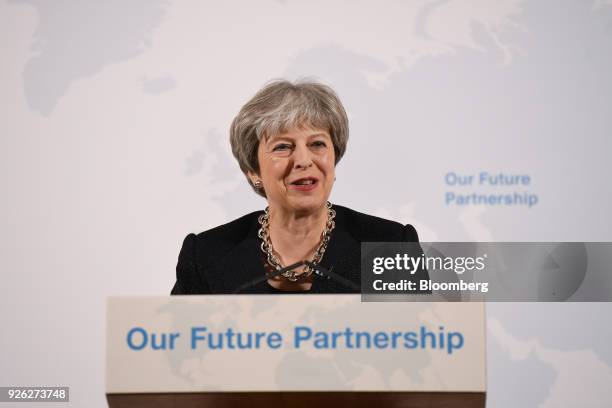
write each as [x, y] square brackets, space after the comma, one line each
[255, 179]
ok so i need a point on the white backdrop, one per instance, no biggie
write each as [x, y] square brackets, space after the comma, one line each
[114, 145]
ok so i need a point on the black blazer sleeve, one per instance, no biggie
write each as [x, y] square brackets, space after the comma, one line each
[188, 278]
[410, 234]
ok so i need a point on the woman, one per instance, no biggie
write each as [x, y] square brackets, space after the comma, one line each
[288, 140]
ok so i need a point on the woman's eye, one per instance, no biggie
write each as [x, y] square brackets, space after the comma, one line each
[281, 147]
[319, 143]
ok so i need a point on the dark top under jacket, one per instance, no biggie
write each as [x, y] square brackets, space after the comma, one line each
[223, 259]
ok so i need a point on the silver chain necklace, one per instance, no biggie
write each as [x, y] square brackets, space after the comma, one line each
[268, 250]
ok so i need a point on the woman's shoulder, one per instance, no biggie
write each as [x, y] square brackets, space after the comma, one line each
[223, 238]
[369, 228]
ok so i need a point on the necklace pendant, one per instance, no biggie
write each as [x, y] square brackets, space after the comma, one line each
[291, 277]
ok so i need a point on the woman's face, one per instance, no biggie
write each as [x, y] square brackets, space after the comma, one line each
[297, 169]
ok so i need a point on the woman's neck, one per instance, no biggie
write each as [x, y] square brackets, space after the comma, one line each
[294, 236]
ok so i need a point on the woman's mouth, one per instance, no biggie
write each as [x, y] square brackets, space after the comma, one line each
[304, 183]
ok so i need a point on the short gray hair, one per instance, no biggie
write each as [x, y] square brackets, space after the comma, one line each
[281, 106]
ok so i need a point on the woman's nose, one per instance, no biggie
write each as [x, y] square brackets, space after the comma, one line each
[302, 157]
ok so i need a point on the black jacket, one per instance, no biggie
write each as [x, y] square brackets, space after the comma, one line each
[223, 259]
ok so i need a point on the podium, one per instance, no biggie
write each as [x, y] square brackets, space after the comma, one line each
[295, 350]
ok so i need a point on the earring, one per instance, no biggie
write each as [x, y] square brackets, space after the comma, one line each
[257, 184]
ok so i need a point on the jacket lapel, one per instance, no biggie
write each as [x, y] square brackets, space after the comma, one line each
[343, 255]
[240, 266]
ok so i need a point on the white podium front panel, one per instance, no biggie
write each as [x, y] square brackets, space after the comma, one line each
[292, 343]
